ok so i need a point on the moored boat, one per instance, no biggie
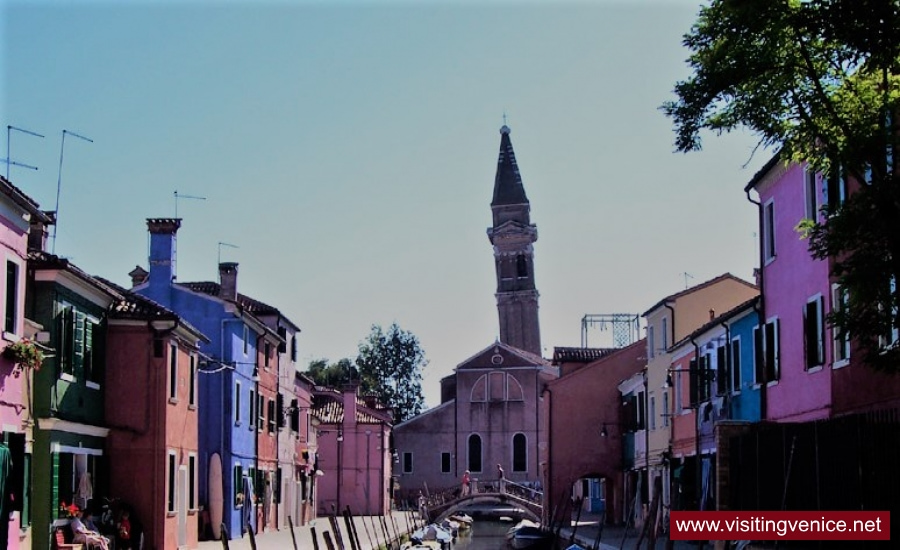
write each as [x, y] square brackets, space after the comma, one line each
[527, 535]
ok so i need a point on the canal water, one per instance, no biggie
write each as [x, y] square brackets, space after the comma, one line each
[484, 535]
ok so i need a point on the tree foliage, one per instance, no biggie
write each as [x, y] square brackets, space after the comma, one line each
[334, 375]
[390, 365]
[820, 80]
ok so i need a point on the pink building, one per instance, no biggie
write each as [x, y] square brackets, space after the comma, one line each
[151, 381]
[587, 396]
[17, 211]
[794, 358]
[353, 452]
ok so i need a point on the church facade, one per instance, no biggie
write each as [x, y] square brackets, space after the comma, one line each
[489, 415]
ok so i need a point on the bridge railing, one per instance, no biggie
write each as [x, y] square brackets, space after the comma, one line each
[440, 497]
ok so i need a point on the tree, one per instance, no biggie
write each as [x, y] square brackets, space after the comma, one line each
[820, 80]
[390, 365]
[334, 374]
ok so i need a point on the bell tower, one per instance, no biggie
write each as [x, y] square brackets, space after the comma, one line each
[513, 236]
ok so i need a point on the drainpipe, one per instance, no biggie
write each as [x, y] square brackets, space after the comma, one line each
[548, 482]
[698, 380]
[728, 366]
[761, 310]
[256, 487]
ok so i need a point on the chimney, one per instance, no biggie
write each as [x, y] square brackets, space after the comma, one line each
[228, 272]
[712, 314]
[349, 392]
[138, 275]
[37, 233]
[162, 249]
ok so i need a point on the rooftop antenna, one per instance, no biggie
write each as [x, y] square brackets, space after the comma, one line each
[686, 276]
[183, 196]
[62, 148]
[221, 244]
[8, 158]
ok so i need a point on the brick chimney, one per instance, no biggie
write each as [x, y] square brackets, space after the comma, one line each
[349, 392]
[162, 249]
[37, 233]
[138, 275]
[228, 272]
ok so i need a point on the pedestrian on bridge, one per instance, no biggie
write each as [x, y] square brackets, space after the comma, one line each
[502, 477]
[466, 480]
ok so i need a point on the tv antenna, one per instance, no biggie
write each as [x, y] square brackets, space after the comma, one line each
[221, 244]
[686, 277]
[8, 160]
[62, 148]
[183, 196]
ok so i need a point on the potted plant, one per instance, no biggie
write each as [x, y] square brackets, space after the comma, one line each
[24, 353]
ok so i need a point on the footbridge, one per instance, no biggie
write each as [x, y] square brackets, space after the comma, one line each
[441, 504]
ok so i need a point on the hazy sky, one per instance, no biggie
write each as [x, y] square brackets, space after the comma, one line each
[349, 149]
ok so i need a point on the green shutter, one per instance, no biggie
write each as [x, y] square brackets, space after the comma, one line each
[78, 348]
[89, 373]
[54, 486]
[26, 490]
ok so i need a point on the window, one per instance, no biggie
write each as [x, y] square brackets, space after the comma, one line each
[407, 463]
[92, 351]
[521, 266]
[294, 348]
[267, 351]
[192, 396]
[279, 410]
[766, 352]
[170, 506]
[65, 324]
[841, 338]
[652, 412]
[173, 372]
[260, 411]
[252, 408]
[722, 377]
[271, 416]
[282, 333]
[474, 453]
[445, 463]
[520, 454]
[892, 334]
[12, 297]
[666, 413]
[814, 332]
[238, 481]
[811, 187]
[639, 411]
[651, 352]
[237, 403]
[192, 481]
[736, 364]
[295, 415]
[836, 188]
[246, 339]
[769, 231]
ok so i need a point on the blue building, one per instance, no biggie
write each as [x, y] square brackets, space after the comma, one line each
[228, 379]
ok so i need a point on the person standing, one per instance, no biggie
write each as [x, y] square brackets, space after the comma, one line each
[501, 475]
[465, 484]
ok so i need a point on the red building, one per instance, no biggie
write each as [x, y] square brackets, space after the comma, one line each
[151, 383]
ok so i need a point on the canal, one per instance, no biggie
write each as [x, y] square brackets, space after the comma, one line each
[484, 535]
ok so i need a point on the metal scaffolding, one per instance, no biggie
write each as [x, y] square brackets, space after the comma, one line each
[625, 327]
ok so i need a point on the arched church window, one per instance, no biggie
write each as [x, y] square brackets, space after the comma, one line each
[479, 390]
[521, 266]
[513, 389]
[520, 453]
[474, 453]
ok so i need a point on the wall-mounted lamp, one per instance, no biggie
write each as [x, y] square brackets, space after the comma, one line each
[255, 377]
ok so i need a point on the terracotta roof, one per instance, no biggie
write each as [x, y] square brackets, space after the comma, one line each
[740, 308]
[249, 304]
[508, 188]
[24, 201]
[39, 259]
[761, 173]
[579, 355]
[328, 406]
[695, 288]
[135, 306]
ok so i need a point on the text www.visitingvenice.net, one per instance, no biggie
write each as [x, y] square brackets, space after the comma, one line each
[763, 525]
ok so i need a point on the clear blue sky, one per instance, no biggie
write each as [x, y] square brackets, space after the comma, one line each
[348, 149]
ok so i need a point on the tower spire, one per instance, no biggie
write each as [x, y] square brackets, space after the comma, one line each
[513, 236]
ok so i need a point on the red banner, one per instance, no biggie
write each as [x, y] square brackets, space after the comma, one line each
[850, 525]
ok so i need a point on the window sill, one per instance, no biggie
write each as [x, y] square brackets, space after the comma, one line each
[192, 407]
[173, 400]
[171, 514]
[814, 370]
[10, 337]
[769, 260]
[772, 383]
[238, 423]
[840, 364]
[92, 385]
